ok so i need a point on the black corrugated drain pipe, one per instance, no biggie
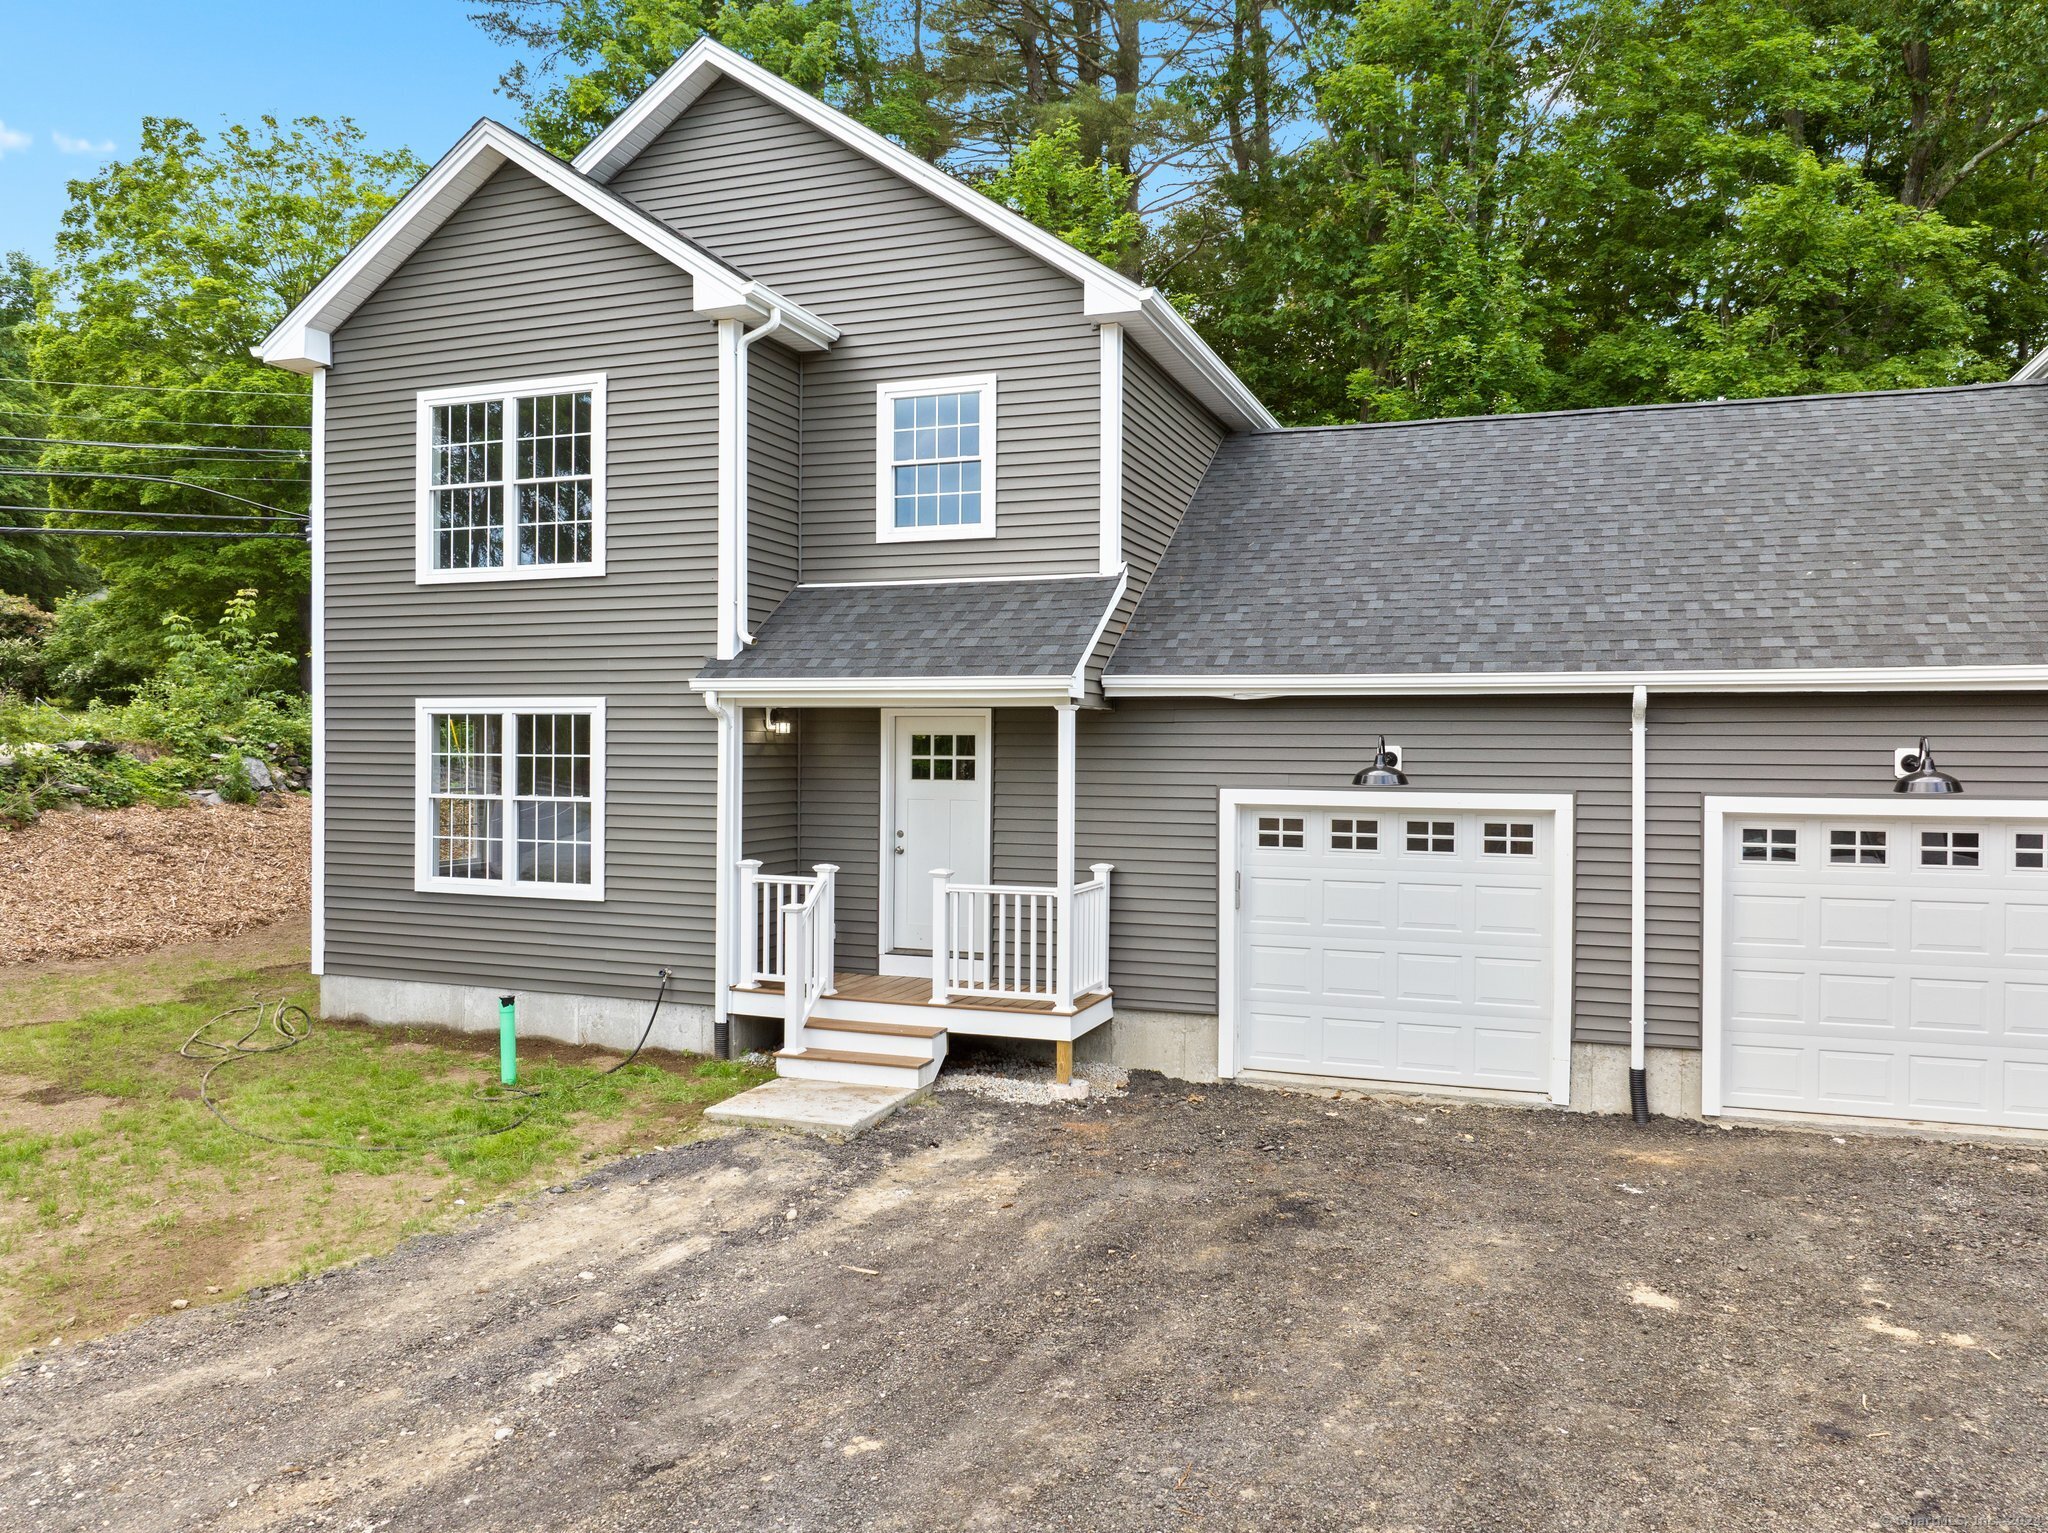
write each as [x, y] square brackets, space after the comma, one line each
[1639, 1095]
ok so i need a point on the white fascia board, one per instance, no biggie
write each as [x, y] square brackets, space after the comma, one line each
[1106, 294]
[2037, 364]
[1077, 685]
[300, 341]
[1869, 806]
[1968, 678]
[885, 691]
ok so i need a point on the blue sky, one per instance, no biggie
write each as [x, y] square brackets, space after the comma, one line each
[78, 82]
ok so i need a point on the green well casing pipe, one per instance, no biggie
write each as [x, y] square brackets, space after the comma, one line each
[508, 1042]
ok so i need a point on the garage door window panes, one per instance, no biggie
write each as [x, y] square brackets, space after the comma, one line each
[1949, 848]
[1509, 838]
[1778, 843]
[1280, 830]
[1354, 835]
[2028, 847]
[1434, 836]
[1866, 847]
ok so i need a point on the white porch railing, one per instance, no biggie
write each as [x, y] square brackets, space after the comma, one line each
[806, 958]
[764, 902]
[1014, 942]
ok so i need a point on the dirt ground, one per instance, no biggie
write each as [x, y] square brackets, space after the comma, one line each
[1211, 1308]
[87, 883]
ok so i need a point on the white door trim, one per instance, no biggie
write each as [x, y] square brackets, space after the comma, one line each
[1231, 802]
[885, 854]
[1714, 875]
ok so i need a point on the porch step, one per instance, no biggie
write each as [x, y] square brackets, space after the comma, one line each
[884, 1029]
[861, 1041]
[857, 1067]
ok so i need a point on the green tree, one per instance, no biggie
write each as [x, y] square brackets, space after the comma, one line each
[41, 569]
[170, 265]
[1086, 203]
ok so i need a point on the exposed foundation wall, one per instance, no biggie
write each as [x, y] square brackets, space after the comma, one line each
[604, 1021]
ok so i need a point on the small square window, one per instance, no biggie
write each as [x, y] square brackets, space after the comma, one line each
[1354, 835]
[2028, 847]
[1435, 836]
[1861, 847]
[942, 758]
[1509, 838]
[1281, 830]
[1770, 843]
[1950, 848]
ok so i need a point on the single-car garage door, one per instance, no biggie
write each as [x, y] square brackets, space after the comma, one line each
[1392, 939]
[1879, 963]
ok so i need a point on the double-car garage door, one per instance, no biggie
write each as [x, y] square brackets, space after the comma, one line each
[1390, 939]
[1880, 964]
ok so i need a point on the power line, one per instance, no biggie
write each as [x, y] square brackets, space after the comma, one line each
[144, 388]
[74, 415]
[145, 532]
[244, 452]
[183, 516]
[185, 484]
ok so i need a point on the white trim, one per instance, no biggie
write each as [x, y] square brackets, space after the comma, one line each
[886, 394]
[885, 855]
[1246, 687]
[2036, 367]
[837, 691]
[1111, 554]
[1638, 872]
[425, 572]
[946, 580]
[1106, 294]
[1230, 804]
[424, 881]
[301, 340]
[725, 630]
[1077, 688]
[1715, 812]
[728, 847]
[318, 517]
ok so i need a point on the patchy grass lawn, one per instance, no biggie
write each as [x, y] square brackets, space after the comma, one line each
[120, 1194]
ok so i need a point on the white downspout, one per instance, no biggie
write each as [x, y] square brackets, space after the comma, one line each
[1638, 897]
[741, 604]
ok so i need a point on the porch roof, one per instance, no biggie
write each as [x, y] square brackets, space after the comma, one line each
[1006, 636]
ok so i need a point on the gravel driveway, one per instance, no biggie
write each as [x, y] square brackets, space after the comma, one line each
[1187, 1309]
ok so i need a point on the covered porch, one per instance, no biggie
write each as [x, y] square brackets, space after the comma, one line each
[898, 859]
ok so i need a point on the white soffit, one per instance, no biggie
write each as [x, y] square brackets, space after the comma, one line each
[300, 342]
[1108, 296]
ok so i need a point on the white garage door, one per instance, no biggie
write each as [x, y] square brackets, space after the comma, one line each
[1886, 967]
[1397, 943]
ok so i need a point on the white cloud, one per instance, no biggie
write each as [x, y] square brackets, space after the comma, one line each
[66, 144]
[11, 140]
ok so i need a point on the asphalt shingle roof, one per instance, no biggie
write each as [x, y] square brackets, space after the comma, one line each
[954, 629]
[1898, 529]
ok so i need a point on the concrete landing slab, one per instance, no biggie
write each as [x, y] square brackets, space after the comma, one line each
[829, 1109]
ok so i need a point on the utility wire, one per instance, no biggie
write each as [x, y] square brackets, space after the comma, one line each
[180, 516]
[240, 452]
[74, 415]
[144, 388]
[80, 473]
[142, 532]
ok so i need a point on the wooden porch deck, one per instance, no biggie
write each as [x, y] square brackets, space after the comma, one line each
[910, 990]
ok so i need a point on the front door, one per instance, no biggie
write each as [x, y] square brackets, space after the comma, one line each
[940, 815]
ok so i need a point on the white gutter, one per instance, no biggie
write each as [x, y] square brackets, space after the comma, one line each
[1638, 876]
[748, 340]
[1242, 687]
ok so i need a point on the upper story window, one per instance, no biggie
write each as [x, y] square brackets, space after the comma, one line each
[511, 480]
[936, 452]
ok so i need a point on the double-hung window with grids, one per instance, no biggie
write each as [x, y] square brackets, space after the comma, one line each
[511, 480]
[935, 445]
[511, 797]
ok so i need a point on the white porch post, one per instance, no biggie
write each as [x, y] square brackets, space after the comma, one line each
[1063, 874]
[748, 973]
[726, 959]
[942, 941]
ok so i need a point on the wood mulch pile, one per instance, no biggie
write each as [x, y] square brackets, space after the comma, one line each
[82, 883]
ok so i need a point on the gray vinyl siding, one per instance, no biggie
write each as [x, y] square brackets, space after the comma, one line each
[1025, 837]
[768, 807]
[1168, 442]
[521, 283]
[1150, 773]
[774, 437]
[1809, 747]
[918, 290]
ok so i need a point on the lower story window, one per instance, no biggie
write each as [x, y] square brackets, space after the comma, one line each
[512, 797]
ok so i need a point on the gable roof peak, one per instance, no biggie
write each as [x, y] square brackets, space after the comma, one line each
[1108, 296]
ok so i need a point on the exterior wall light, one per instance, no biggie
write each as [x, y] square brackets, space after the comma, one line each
[1385, 771]
[779, 721]
[1922, 775]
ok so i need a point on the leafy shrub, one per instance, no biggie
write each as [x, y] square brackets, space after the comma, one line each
[24, 630]
[220, 695]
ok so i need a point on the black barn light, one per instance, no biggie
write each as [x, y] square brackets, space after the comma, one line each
[1923, 776]
[1382, 773]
